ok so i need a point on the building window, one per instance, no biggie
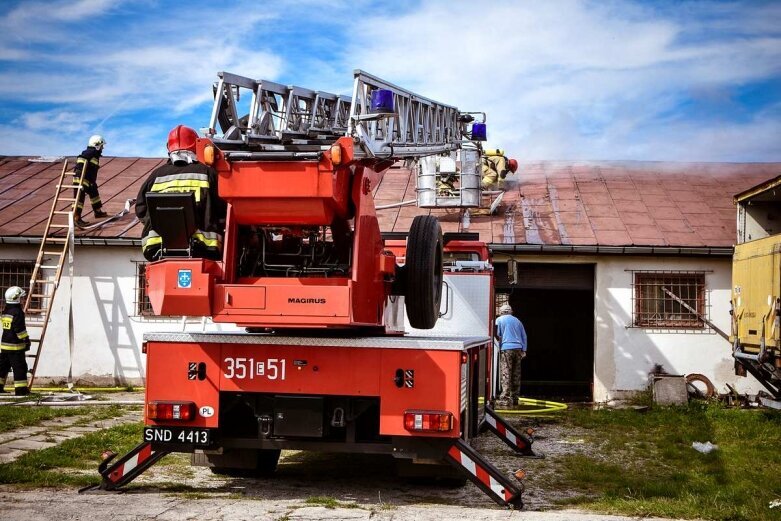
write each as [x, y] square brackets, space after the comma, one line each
[669, 300]
[500, 300]
[142, 304]
[18, 273]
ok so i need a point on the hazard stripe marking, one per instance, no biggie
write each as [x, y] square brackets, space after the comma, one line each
[480, 472]
[518, 442]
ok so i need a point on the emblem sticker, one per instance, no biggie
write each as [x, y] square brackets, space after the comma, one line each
[206, 411]
[185, 279]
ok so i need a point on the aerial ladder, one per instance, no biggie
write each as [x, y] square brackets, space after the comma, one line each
[303, 253]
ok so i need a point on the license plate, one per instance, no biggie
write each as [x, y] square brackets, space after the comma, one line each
[178, 435]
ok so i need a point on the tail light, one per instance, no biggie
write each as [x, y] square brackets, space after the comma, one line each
[177, 411]
[428, 421]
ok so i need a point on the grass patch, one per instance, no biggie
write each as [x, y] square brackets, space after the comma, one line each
[50, 467]
[645, 465]
[17, 416]
[329, 502]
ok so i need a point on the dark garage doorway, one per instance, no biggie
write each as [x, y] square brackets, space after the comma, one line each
[555, 302]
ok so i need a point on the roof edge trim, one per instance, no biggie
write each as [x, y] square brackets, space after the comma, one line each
[612, 250]
[81, 241]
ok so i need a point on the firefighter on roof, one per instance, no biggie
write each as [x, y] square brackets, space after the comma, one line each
[15, 342]
[86, 173]
[496, 167]
[183, 173]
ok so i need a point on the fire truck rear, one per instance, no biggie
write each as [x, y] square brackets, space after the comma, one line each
[325, 363]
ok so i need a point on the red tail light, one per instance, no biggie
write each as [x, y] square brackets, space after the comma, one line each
[179, 411]
[428, 421]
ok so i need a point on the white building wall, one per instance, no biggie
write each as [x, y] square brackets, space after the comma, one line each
[108, 333]
[624, 355]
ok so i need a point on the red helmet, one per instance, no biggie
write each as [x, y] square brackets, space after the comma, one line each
[182, 138]
[512, 164]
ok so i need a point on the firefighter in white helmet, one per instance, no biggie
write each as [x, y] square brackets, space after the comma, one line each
[86, 173]
[15, 342]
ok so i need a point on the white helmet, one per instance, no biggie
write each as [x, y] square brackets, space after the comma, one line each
[13, 294]
[506, 309]
[97, 141]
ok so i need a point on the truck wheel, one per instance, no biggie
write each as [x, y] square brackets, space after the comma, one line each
[424, 272]
[267, 461]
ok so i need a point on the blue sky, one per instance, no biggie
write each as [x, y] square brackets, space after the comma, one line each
[681, 81]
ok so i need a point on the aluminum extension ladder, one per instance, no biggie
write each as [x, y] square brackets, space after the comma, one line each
[55, 249]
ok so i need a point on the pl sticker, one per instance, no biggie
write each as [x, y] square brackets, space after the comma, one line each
[185, 279]
[206, 411]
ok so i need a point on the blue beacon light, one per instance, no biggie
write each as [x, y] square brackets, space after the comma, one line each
[382, 101]
[479, 132]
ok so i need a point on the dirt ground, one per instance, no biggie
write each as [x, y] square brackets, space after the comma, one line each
[371, 480]
[315, 486]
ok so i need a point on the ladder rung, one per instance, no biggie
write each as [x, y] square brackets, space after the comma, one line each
[66, 199]
[52, 252]
[31, 356]
[62, 212]
[59, 226]
[35, 310]
[43, 281]
[42, 295]
[55, 239]
[50, 266]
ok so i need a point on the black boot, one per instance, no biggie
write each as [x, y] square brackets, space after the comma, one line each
[100, 214]
[22, 391]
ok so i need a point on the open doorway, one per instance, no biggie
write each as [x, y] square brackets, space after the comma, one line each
[555, 302]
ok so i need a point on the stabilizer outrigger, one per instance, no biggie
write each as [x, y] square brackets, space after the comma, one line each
[118, 473]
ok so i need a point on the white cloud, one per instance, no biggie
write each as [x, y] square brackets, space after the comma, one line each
[543, 71]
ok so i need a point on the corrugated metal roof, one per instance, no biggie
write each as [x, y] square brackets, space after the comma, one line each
[546, 202]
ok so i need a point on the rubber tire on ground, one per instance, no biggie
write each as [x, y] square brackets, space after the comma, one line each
[267, 461]
[424, 272]
[710, 389]
[266, 465]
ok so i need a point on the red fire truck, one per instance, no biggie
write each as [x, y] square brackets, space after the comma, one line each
[355, 342]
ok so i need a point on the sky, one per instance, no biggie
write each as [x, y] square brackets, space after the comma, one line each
[559, 79]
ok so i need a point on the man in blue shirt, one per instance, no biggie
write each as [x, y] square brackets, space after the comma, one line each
[512, 349]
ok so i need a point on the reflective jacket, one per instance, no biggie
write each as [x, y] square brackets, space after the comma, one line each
[15, 337]
[197, 178]
[494, 168]
[87, 164]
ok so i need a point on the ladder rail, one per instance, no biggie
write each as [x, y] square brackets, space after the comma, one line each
[39, 257]
[286, 118]
[51, 283]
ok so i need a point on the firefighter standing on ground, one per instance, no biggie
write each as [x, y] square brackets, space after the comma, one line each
[512, 349]
[86, 173]
[15, 342]
[183, 173]
[496, 167]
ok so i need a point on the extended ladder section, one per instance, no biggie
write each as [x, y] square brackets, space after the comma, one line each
[47, 272]
[281, 119]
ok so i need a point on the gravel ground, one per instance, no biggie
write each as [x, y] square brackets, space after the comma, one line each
[50, 505]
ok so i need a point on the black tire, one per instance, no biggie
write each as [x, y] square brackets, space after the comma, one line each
[267, 461]
[424, 272]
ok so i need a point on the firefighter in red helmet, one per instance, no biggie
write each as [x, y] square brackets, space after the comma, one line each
[183, 173]
[496, 167]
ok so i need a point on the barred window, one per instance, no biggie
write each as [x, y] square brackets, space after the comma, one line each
[18, 273]
[500, 300]
[669, 300]
[142, 304]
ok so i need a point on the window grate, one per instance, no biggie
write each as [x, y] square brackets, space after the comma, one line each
[656, 305]
[142, 304]
[499, 300]
[15, 272]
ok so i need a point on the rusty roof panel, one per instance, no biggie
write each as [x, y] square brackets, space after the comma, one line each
[581, 203]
